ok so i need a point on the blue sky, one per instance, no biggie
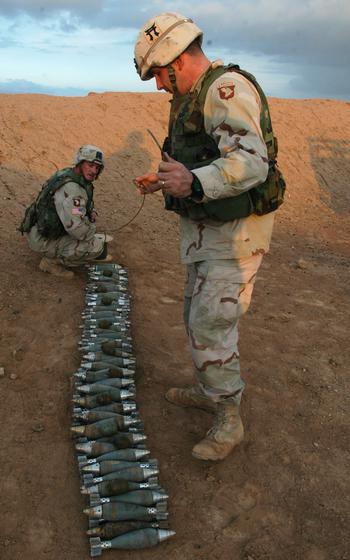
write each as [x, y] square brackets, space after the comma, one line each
[296, 48]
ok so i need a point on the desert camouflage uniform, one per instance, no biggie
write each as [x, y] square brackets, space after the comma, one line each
[81, 244]
[223, 258]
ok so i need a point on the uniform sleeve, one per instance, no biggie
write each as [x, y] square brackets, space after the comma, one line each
[70, 202]
[232, 118]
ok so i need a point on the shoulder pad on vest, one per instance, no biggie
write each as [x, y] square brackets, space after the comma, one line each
[63, 176]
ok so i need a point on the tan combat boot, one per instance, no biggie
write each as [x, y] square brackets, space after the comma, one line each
[226, 433]
[190, 397]
[104, 237]
[55, 268]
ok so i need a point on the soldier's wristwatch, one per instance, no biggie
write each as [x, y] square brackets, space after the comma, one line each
[197, 189]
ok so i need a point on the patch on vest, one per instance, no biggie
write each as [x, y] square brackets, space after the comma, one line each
[226, 90]
[76, 201]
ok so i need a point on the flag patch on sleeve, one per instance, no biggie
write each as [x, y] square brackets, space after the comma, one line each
[78, 211]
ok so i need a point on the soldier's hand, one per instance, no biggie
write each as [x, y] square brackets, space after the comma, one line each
[93, 216]
[148, 183]
[174, 177]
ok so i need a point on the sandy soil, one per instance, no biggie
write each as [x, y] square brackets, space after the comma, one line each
[284, 493]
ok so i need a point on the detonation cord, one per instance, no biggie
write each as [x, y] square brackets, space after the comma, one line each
[133, 218]
[143, 200]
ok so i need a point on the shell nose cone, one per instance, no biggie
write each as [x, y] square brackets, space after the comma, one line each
[94, 469]
[94, 512]
[79, 430]
[164, 534]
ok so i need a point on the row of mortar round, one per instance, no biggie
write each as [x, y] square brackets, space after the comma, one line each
[127, 508]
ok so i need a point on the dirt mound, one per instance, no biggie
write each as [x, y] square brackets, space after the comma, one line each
[282, 494]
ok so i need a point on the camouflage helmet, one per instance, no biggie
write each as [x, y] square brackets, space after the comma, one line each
[161, 40]
[87, 152]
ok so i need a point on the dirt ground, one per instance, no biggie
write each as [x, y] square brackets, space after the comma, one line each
[284, 493]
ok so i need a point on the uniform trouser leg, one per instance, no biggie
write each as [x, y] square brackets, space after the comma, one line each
[217, 294]
[69, 251]
[72, 252]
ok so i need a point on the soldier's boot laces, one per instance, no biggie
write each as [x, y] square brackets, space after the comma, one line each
[190, 397]
[222, 438]
[56, 269]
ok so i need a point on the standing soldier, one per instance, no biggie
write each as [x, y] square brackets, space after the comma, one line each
[60, 223]
[219, 173]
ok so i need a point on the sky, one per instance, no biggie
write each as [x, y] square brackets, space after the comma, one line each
[295, 48]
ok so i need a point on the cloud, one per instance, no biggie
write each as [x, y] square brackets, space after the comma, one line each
[25, 86]
[311, 30]
[40, 9]
[310, 38]
[6, 42]
[67, 26]
[330, 81]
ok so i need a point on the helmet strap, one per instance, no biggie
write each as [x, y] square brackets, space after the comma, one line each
[172, 78]
[100, 169]
[77, 168]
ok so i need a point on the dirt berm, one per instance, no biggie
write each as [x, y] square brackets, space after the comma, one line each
[284, 493]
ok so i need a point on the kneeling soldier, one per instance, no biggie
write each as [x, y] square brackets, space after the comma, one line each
[60, 223]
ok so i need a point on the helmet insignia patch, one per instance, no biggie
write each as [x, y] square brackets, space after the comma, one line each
[152, 33]
[226, 90]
